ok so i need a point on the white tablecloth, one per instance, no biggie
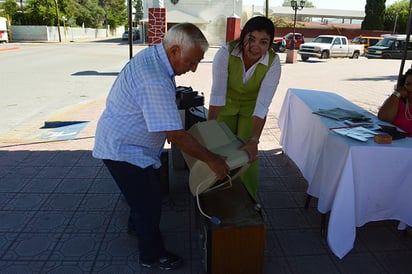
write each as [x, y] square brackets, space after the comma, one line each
[357, 182]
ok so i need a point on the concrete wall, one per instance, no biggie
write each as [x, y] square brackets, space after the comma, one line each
[51, 34]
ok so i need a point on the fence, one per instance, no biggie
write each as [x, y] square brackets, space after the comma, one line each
[67, 34]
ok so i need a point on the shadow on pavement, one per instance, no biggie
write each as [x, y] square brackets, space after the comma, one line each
[94, 73]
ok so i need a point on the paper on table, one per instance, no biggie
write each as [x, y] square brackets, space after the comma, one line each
[362, 123]
[339, 113]
[358, 133]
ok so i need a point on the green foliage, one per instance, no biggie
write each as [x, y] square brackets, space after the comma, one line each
[8, 8]
[374, 15]
[139, 10]
[40, 12]
[115, 12]
[396, 16]
[87, 13]
[91, 14]
[71, 10]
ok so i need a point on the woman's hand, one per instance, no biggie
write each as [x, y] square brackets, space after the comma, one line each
[251, 147]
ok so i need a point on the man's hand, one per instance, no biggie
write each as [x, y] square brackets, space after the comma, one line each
[219, 166]
[190, 146]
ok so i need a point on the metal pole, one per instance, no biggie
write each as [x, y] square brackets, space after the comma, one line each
[292, 47]
[130, 36]
[58, 21]
[394, 25]
[405, 50]
[267, 9]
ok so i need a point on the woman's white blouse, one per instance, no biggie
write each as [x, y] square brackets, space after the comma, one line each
[220, 78]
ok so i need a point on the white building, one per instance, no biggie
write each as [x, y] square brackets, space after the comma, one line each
[209, 15]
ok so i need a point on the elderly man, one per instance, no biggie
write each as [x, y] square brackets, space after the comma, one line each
[140, 114]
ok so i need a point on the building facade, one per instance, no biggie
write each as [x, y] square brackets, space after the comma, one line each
[209, 15]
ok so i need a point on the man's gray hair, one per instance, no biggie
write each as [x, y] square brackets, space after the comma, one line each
[185, 35]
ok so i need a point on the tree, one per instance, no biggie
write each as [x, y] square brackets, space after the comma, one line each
[115, 12]
[87, 13]
[396, 16]
[9, 8]
[139, 10]
[374, 15]
[90, 14]
[40, 12]
[70, 9]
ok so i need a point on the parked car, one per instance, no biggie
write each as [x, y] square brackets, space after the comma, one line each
[277, 41]
[390, 47]
[136, 35]
[366, 41]
[326, 46]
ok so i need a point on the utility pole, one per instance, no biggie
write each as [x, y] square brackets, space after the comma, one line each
[58, 21]
[129, 27]
[408, 34]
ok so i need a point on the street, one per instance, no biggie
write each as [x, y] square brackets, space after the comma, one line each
[40, 80]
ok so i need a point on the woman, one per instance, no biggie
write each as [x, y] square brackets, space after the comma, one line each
[397, 108]
[246, 73]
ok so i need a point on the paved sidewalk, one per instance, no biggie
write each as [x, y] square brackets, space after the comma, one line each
[60, 211]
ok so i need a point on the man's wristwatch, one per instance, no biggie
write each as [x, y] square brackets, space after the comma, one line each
[397, 94]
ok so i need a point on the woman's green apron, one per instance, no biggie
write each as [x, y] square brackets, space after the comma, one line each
[240, 104]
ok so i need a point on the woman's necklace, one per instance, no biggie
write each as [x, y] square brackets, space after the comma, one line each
[408, 114]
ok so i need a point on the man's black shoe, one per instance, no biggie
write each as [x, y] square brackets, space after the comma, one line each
[167, 262]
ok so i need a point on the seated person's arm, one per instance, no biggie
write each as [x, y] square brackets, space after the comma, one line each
[389, 109]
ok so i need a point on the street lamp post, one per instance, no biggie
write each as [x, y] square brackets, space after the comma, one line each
[64, 19]
[295, 6]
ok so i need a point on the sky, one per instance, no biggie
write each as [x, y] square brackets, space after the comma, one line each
[321, 4]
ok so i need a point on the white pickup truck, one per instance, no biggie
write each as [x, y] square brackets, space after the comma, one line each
[326, 46]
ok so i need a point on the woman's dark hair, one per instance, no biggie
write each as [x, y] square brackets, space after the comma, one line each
[258, 23]
[402, 80]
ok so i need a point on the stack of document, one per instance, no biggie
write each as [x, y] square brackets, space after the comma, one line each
[339, 114]
[357, 133]
[364, 122]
